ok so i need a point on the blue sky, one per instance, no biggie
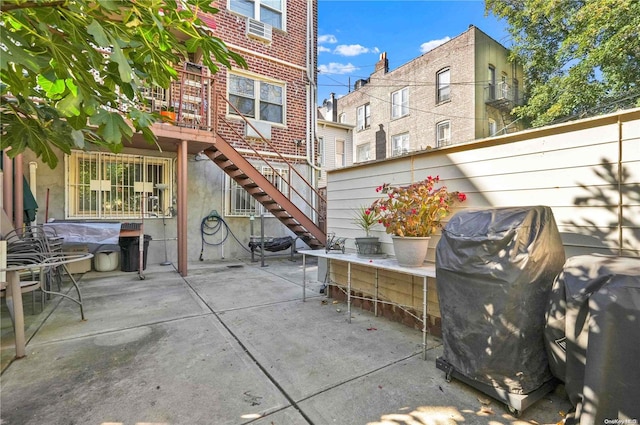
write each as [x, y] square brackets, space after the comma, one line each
[353, 33]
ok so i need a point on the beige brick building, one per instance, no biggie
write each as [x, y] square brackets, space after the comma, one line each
[460, 91]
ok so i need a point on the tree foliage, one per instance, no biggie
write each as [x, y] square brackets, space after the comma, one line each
[59, 88]
[578, 55]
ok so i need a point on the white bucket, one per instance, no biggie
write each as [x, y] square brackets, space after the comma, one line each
[106, 261]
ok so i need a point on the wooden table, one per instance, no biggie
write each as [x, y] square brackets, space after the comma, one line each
[390, 264]
[14, 292]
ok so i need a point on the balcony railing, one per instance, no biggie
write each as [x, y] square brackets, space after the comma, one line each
[502, 96]
[190, 98]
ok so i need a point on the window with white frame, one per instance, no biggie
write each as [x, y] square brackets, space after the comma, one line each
[267, 11]
[341, 160]
[443, 133]
[321, 147]
[399, 144]
[363, 119]
[254, 98]
[492, 82]
[443, 84]
[400, 103]
[363, 152]
[242, 204]
[493, 127]
[109, 186]
[342, 119]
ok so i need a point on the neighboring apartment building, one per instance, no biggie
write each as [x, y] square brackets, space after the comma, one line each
[460, 91]
[231, 130]
[335, 141]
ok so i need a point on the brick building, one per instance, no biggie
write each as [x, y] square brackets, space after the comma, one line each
[460, 91]
[238, 145]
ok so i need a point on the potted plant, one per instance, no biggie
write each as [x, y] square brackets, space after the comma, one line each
[412, 213]
[366, 218]
[168, 114]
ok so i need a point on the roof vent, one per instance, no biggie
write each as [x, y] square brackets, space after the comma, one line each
[259, 30]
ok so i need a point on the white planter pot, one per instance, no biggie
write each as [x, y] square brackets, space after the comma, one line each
[411, 251]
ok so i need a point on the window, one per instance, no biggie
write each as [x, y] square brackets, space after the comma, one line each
[249, 95]
[443, 133]
[504, 86]
[443, 83]
[400, 103]
[363, 152]
[320, 158]
[340, 156]
[516, 92]
[363, 117]
[342, 119]
[110, 186]
[267, 11]
[492, 82]
[399, 144]
[242, 204]
[493, 127]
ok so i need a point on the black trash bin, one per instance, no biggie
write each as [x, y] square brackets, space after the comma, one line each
[592, 335]
[130, 253]
[494, 269]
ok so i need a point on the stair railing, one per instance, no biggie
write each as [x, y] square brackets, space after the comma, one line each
[292, 169]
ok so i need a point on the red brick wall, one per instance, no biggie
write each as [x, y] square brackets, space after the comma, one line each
[284, 59]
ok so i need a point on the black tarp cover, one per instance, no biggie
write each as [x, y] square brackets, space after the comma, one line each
[494, 271]
[593, 337]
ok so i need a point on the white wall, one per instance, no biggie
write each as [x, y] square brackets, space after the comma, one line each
[587, 171]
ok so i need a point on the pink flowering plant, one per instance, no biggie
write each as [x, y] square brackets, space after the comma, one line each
[415, 209]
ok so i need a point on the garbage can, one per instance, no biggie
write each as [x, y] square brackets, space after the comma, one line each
[130, 253]
[592, 335]
[495, 269]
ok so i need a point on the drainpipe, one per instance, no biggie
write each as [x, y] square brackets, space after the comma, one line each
[311, 96]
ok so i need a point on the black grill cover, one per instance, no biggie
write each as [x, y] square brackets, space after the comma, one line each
[593, 337]
[494, 270]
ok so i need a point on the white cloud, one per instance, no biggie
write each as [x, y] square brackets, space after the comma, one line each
[430, 45]
[353, 50]
[328, 38]
[337, 68]
[323, 49]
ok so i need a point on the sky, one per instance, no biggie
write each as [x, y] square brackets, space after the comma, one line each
[353, 33]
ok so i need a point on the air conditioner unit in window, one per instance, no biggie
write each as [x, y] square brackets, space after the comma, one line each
[258, 30]
[263, 128]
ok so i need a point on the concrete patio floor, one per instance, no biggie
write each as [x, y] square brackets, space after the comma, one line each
[233, 343]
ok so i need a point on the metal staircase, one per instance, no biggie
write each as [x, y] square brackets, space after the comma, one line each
[281, 206]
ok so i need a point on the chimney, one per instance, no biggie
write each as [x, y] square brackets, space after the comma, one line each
[334, 108]
[383, 64]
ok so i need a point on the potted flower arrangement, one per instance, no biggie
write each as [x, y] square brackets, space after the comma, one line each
[168, 114]
[412, 213]
[366, 218]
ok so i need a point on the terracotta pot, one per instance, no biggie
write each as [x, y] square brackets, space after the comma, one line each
[410, 251]
[168, 116]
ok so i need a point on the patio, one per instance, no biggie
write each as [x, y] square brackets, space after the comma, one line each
[233, 343]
